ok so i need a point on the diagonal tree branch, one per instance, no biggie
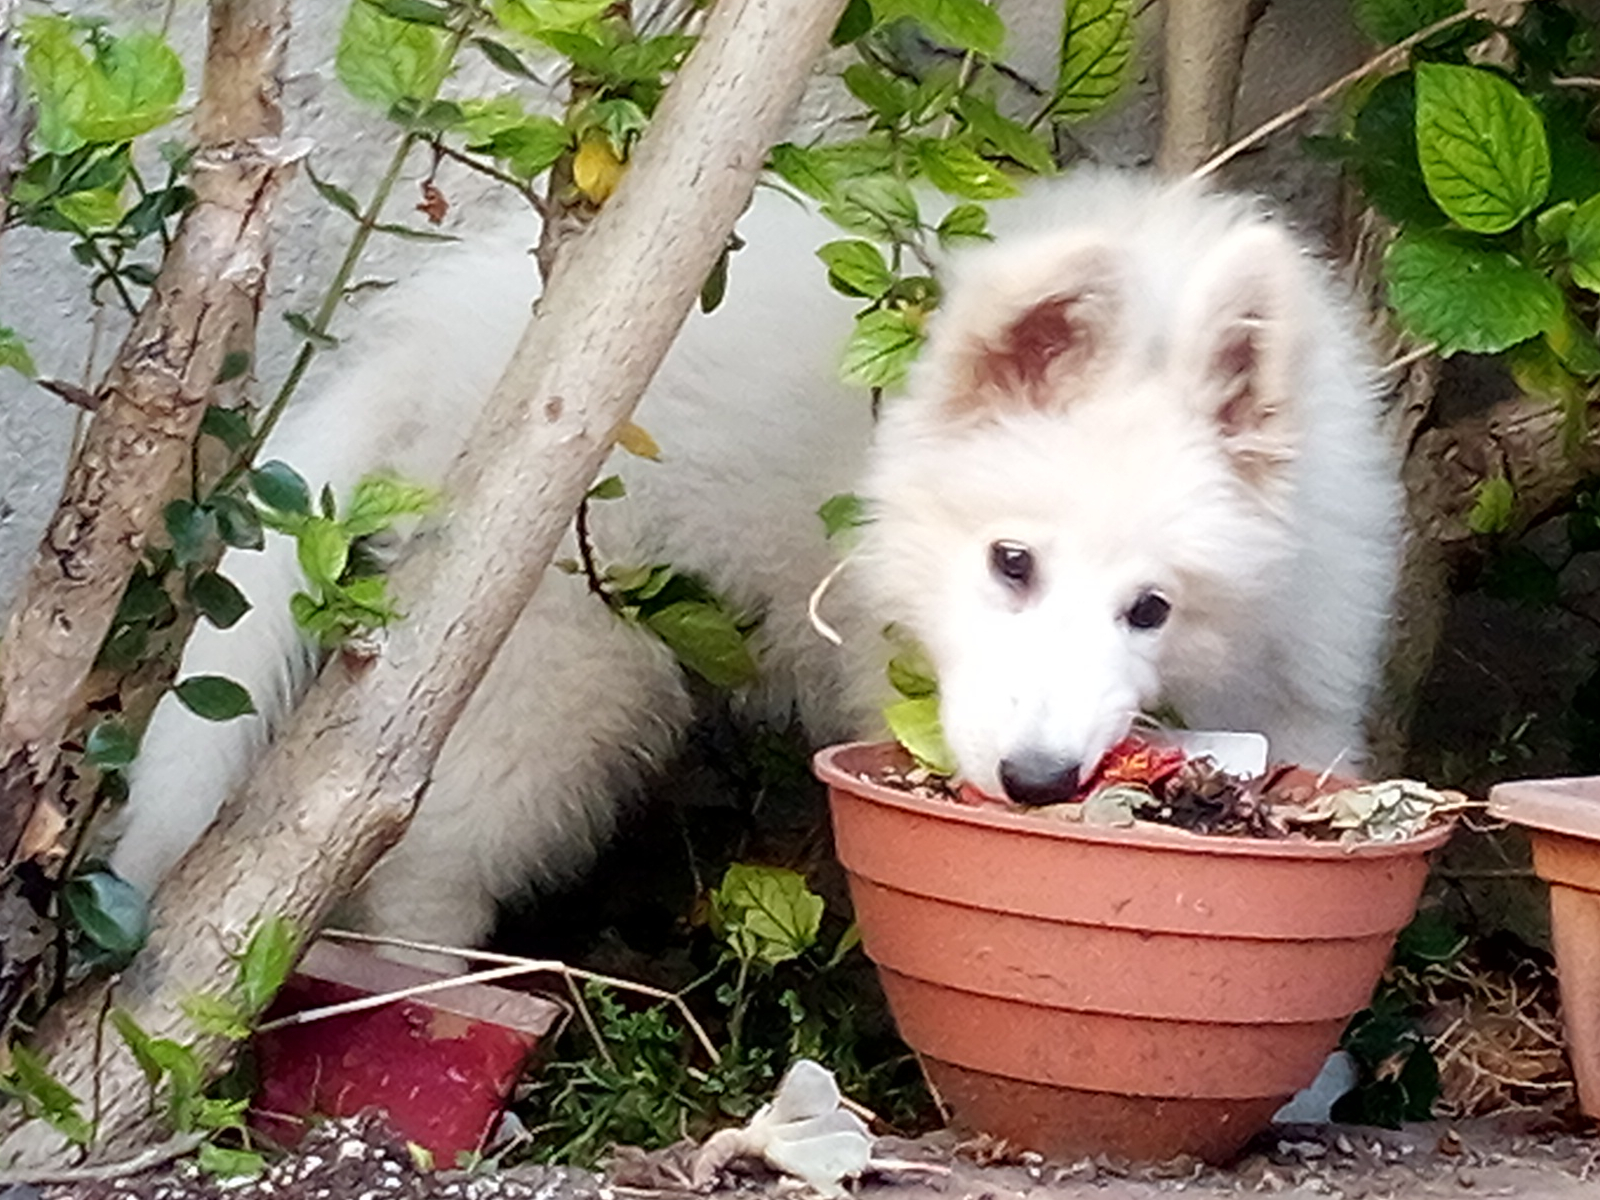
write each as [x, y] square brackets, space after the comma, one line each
[340, 785]
[205, 301]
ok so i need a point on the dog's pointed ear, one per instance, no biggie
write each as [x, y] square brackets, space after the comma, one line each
[1030, 338]
[1242, 336]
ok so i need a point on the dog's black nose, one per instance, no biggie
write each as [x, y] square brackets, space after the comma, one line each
[1036, 779]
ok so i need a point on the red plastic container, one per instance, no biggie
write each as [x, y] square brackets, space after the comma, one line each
[439, 1065]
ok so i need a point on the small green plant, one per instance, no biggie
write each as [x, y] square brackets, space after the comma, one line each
[772, 990]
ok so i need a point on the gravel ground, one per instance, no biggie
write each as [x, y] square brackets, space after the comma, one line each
[1525, 1159]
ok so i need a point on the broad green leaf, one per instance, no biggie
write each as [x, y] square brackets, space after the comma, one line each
[878, 206]
[214, 697]
[190, 527]
[536, 17]
[237, 522]
[143, 84]
[62, 80]
[1551, 226]
[881, 349]
[217, 599]
[529, 147]
[129, 86]
[323, 549]
[1467, 297]
[856, 268]
[767, 914]
[856, 20]
[707, 640]
[228, 425]
[110, 911]
[1583, 244]
[1383, 150]
[14, 353]
[110, 746]
[1493, 506]
[1389, 21]
[384, 61]
[45, 1096]
[609, 488]
[1096, 56]
[963, 223]
[279, 486]
[960, 171]
[842, 513]
[92, 209]
[911, 672]
[916, 726]
[963, 24]
[1482, 146]
[139, 1045]
[887, 95]
[1004, 136]
[1574, 345]
[268, 958]
[1539, 371]
[381, 499]
[818, 171]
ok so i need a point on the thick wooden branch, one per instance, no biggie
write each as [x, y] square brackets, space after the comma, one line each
[1203, 53]
[204, 302]
[340, 785]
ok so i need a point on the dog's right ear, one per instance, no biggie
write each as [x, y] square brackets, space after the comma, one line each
[1030, 343]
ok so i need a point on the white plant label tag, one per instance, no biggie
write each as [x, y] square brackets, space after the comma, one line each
[1243, 754]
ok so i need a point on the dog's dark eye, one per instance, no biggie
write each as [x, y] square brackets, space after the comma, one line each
[1012, 564]
[1149, 611]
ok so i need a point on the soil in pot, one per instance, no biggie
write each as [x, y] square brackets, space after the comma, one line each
[1144, 992]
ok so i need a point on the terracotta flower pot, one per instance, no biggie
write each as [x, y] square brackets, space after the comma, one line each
[1562, 817]
[1143, 992]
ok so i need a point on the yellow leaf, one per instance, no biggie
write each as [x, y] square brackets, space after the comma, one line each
[596, 169]
[638, 442]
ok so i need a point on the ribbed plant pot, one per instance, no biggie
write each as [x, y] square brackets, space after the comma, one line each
[1562, 817]
[1141, 992]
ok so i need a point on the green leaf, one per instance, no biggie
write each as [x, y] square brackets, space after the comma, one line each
[1096, 56]
[1574, 345]
[609, 488]
[14, 353]
[961, 171]
[1493, 506]
[333, 193]
[92, 209]
[766, 914]
[143, 84]
[43, 1095]
[1383, 148]
[323, 549]
[842, 513]
[707, 640]
[228, 425]
[1467, 297]
[856, 20]
[856, 268]
[268, 958]
[1583, 244]
[110, 911]
[536, 17]
[279, 486]
[963, 24]
[911, 673]
[110, 746]
[1482, 146]
[887, 95]
[131, 86]
[224, 1163]
[422, 12]
[139, 1045]
[963, 223]
[217, 599]
[1004, 136]
[214, 697]
[1389, 21]
[1551, 226]
[217, 1016]
[529, 147]
[503, 56]
[380, 499]
[916, 726]
[881, 349]
[383, 60]
[237, 522]
[878, 206]
[306, 328]
[189, 526]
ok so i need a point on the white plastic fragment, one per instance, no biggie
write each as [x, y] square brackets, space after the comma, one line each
[803, 1132]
